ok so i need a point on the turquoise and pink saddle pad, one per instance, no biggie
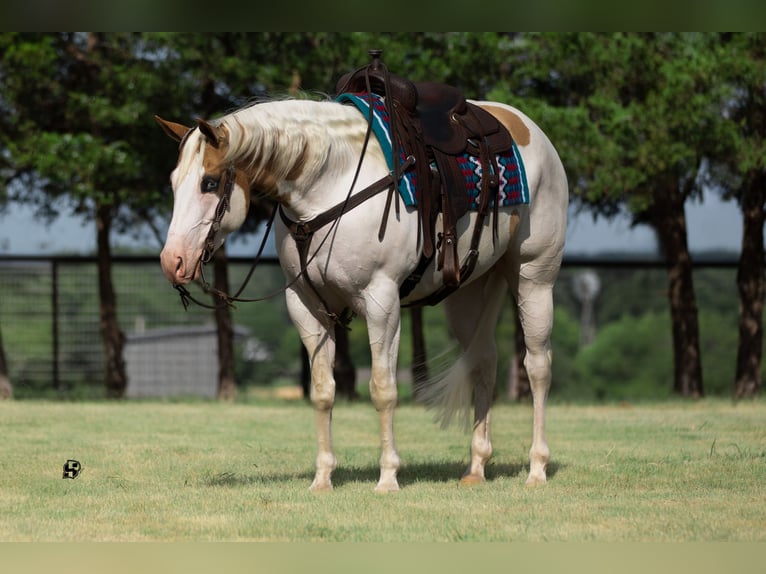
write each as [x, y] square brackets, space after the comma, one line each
[513, 180]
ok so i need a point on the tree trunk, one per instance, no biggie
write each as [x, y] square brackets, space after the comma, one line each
[113, 339]
[518, 380]
[750, 282]
[419, 359]
[227, 386]
[668, 217]
[343, 369]
[6, 389]
[305, 378]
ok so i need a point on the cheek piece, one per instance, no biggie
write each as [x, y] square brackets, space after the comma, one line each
[225, 300]
[220, 212]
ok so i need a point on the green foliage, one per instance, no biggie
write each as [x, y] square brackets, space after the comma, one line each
[718, 346]
[744, 57]
[77, 109]
[566, 343]
[630, 359]
[626, 111]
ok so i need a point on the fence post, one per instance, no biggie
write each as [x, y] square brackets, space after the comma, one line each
[55, 322]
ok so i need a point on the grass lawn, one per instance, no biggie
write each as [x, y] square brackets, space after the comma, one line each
[666, 472]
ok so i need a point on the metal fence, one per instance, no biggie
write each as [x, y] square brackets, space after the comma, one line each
[49, 319]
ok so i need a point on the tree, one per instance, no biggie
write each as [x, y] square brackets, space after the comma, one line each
[75, 114]
[227, 386]
[750, 282]
[687, 98]
[744, 177]
[635, 118]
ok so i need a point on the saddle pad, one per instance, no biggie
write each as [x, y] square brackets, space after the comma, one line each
[513, 190]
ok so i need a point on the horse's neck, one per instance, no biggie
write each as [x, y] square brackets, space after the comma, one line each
[331, 137]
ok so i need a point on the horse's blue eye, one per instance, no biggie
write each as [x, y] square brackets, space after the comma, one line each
[209, 185]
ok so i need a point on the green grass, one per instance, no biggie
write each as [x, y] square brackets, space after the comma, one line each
[677, 471]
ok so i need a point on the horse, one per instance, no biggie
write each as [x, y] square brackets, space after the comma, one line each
[307, 156]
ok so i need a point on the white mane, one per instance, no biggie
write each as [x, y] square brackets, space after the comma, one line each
[276, 135]
[192, 147]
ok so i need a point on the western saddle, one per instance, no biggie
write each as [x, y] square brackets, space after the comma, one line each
[434, 125]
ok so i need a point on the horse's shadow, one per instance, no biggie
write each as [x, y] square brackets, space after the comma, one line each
[416, 473]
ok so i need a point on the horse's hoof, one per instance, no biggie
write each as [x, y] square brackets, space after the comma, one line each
[535, 480]
[385, 488]
[320, 487]
[472, 479]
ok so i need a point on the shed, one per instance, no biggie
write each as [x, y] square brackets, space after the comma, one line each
[174, 362]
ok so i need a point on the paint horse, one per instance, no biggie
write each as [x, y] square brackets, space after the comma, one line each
[308, 157]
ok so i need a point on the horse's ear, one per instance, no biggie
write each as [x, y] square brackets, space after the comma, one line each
[213, 135]
[172, 130]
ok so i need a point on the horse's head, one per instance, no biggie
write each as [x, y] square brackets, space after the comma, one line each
[211, 199]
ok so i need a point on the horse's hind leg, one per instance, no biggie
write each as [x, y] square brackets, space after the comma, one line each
[535, 304]
[472, 313]
[320, 345]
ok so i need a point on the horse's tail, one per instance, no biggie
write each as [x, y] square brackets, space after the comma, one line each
[450, 394]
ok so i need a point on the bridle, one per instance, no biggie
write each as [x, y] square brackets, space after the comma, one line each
[301, 232]
[220, 211]
[208, 249]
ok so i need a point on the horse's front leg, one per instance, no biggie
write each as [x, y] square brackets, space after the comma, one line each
[383, 326]
[320, 345]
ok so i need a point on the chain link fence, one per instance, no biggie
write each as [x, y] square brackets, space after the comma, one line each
[49, 327]
[49, 320]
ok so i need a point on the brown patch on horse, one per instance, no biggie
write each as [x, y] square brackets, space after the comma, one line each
[212, 161]
[215, 136]
[241, 179]
[213, 164]
[297, 169]
[514, 124]
[260, 180]
[265, 183]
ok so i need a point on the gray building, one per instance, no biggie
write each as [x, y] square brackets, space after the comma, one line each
[174, 362]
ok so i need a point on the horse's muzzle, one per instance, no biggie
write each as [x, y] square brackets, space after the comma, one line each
[176, 267]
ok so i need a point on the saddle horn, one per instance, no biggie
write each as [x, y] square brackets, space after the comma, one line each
[380, 81]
